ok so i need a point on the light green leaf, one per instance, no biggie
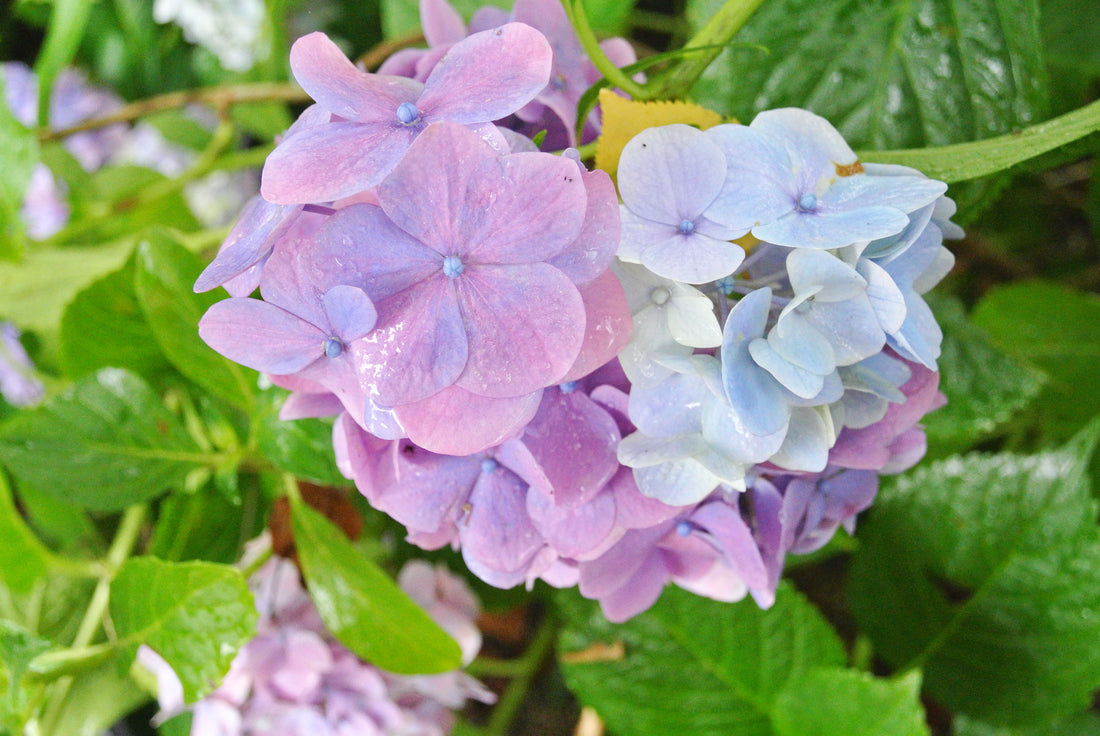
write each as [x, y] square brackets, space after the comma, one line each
[104, 443]
[692, 665]
[34, 291]
[104, 327]
[963, 161]
[18, 157]
[839, 702]
[1081, 724]
[166, 272]
[985, 387]
[68, 22]
[23, 559]
[984, 571]
[195, 615]
[97, 700]
[1055, 330]
[362, 607]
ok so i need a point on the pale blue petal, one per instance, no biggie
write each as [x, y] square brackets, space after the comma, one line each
[798, 381]
[824, 275]
[806, 446]
[827, 230]
[904, 193]
[851, 328]
[671, 407]
[920, 337]
[350, 312]
[797, 341]
[756, 397]
[694, 258]
[885, 296]
[670, 173]
[640, 451]
[676, 483]
[691, 319]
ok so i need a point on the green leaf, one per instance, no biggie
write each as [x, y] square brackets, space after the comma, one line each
[104, 327]
[195, 615]
[104, 443]
[34, 291]
[98, 699]
[18, 647]
[850, 703]
[18, 157]
[1054, 329]
[23, 559]
[362, 607]
[1082, 724]
[265, 120]
[166, 272]
[963, 161]
[888, 75]
[201, 526]
[302, 447]
[68, 21]
[985, 387]
[984, 571]
[1069, 33]
[693, 665]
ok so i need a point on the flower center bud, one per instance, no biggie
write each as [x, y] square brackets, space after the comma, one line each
[684, 528]
[488, 465]
[452, 266]
[659, 296]
[333, 347]
[568, 387]
[686, 227]
[807, 202]
[407, 114]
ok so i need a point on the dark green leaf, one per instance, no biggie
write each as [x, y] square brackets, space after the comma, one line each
[985, 572]
[200, 526]
[888, 75]
[1069, 33]
[838, 702]
[179, 128]
[105, 443]
[362, 607]
[1054, 329]
[263, 119]
[166, 272]
[193, 614]
[692, 665]
[984, 387]
[302, 447]
[23, 559]
[1082, 724]
[104, 327]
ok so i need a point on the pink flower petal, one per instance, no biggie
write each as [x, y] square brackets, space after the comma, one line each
[261, 336]
[591, 253]
[608, 325]
[419, 345]
[525, 325]
[457, 422]
[333, 81]
[488, 75]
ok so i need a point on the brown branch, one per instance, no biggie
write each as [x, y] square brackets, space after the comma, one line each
[382, 50]
[221, 98]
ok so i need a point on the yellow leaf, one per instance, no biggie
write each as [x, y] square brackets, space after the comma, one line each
[623, 119]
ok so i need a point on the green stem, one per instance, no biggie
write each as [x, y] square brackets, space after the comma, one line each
[527, 667]
[717, 32]
[577, 17]
[129, 529]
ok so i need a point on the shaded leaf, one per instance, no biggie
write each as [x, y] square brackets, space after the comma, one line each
[693, 665]
[18, 157]
[166, 272]
[364, 608]
[985, 387]
[302, 447]
[1054, 329]
[984, 571]
[104, 327]
[104, 443]
[23, 558]
[195, 615]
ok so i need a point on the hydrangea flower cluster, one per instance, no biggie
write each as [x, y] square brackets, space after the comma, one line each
[723, 393]
[230, 29]
[295, 678]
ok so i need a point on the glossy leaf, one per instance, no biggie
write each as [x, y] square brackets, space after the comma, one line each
[984, 570]
[104, 443]
[104, 327]
[193, 614]
[929, 72]
[302, 447]
[166, 272]
[850, 703]
[985, 387]
[693, 665]
[364, 608]
[1054, 329]
[68, 22]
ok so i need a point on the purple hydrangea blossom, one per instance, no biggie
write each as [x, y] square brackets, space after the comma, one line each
[375, 118]
[295, 678]
[18, 383]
